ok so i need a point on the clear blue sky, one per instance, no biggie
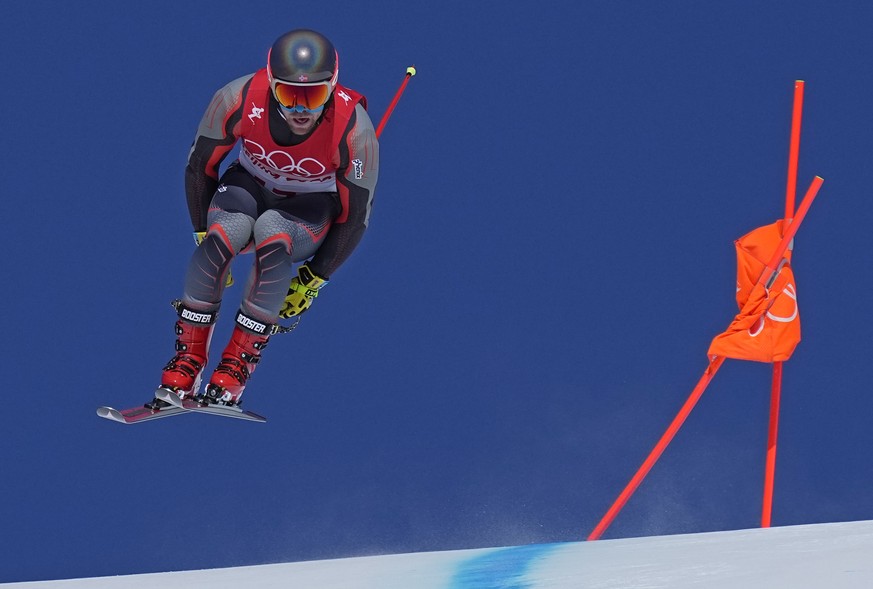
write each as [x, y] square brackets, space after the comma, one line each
[549, 256]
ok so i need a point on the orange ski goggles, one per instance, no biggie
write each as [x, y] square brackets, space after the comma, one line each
[303, 96]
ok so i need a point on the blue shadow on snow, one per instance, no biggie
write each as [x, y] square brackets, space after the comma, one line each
[501, 568]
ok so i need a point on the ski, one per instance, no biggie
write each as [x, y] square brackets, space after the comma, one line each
[177, 407]
[138, 414]
[231, 411]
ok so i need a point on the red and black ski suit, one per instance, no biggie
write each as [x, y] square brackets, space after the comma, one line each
[289, 197]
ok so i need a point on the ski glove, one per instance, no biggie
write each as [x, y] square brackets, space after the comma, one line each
[304, 288]
[199, 236]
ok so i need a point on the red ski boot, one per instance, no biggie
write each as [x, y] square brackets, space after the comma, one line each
[238, 361]
[193, 330]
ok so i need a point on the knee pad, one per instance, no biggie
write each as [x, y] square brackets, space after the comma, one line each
[303, 242]
[233, 212]
[271, 224]
[236, 228]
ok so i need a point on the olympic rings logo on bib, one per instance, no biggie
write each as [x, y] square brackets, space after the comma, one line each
[282, 162]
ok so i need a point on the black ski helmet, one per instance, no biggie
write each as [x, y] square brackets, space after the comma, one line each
[303, 56]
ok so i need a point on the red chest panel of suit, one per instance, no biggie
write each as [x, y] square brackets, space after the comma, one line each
[306, 167]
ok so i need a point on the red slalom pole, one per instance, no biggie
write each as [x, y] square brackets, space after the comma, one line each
[772, 436]
[794, 149]
[714, 364]
[776, 386]
[410, 71]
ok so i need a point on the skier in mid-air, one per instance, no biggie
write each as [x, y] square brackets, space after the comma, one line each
[300, 191]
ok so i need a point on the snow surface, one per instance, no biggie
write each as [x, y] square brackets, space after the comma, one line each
[832, 556]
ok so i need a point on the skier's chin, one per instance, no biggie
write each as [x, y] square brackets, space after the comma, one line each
[301, 127]
[300, 124]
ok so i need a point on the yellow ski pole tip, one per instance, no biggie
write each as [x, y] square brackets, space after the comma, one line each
[410, 70]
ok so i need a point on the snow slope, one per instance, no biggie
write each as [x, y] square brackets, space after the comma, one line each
[832, 556]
